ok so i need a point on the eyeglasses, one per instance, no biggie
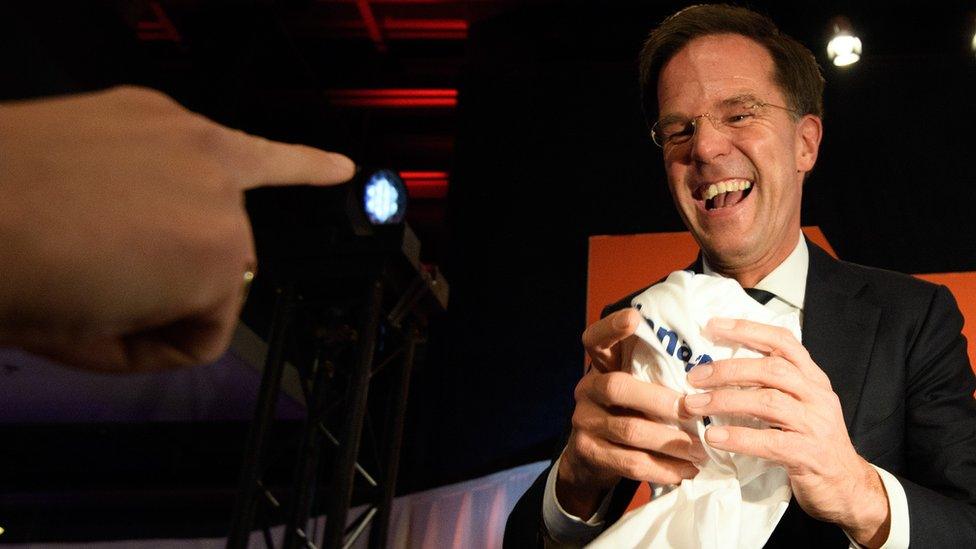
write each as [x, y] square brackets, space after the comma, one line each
[732, 118]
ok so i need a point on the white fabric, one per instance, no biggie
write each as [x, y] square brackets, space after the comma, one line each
[466, 515]
[735, 500]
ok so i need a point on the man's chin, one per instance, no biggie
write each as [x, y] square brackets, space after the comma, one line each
[727, 255]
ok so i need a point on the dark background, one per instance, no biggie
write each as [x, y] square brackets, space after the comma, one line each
[545, 147]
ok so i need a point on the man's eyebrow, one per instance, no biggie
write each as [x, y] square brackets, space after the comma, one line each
[671, 117]
[739, 99]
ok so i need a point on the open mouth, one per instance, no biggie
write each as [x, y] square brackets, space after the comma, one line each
[724, 194]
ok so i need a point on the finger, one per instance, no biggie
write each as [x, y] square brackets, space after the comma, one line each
[770, 371]
[770, 405]
[639, 432]
[773, 340]
[600, 339]
[618, 389]
[633, 463]
[262, 162]
[780, 447]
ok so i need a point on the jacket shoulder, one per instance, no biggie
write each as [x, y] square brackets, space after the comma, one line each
[891, 288]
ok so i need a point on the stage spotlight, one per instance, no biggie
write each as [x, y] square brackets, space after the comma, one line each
[844, 48]
[384, 197]
[303, 222]
[376, 198]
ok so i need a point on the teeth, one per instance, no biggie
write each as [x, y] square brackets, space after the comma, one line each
[716, 189]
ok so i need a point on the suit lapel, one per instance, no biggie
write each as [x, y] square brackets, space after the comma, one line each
[838, 327]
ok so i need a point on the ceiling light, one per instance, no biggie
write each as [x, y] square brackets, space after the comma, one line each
[844, 48]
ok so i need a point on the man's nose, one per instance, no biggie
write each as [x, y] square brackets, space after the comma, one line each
[709, 141]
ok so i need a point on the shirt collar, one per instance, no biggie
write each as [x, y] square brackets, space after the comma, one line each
[788, 280]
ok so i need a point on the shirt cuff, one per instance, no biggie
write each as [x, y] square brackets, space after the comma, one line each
[898, 532]
[563, 527]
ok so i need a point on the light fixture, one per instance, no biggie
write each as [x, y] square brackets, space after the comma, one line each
[384, 197]
[844, 47]
[972, 25]
[300, 223]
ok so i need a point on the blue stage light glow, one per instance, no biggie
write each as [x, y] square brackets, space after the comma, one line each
[384, 198]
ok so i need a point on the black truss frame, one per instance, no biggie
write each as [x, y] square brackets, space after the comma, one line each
[325, 480]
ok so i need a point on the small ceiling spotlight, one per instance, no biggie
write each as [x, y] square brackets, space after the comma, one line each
[972, 23]
[844, 48]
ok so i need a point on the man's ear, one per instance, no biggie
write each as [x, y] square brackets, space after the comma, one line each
[809, 131]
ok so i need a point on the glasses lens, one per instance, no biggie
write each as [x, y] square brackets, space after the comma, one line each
[656, 135]
[739, 115]
[672, 132]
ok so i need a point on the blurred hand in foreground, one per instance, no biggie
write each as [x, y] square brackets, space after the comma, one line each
[124, 241]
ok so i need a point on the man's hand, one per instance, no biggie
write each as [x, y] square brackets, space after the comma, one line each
[617, 429]
[123, 235]
[830, 481]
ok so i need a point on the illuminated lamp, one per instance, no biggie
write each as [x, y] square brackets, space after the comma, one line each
[844, 47]
[383, 197]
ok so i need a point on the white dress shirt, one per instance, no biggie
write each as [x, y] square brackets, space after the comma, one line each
[788, 283]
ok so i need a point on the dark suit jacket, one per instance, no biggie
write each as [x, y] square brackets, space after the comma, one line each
[892, 347]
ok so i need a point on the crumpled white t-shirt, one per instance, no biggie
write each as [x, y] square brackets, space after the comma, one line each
[735, 500]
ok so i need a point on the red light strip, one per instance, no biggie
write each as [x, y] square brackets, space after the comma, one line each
[425, 184]
[406, 29]
[393, 98]
[429, 29]
[366, 12]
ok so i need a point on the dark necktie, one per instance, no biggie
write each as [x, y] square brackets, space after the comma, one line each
[762, 296]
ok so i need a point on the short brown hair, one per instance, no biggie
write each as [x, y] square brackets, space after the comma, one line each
[795, 71]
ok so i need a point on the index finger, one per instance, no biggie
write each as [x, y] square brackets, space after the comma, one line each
[600, 338]
[261, 162]
[772, 340]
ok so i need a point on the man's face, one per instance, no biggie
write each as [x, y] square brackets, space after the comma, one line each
[740, 232]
